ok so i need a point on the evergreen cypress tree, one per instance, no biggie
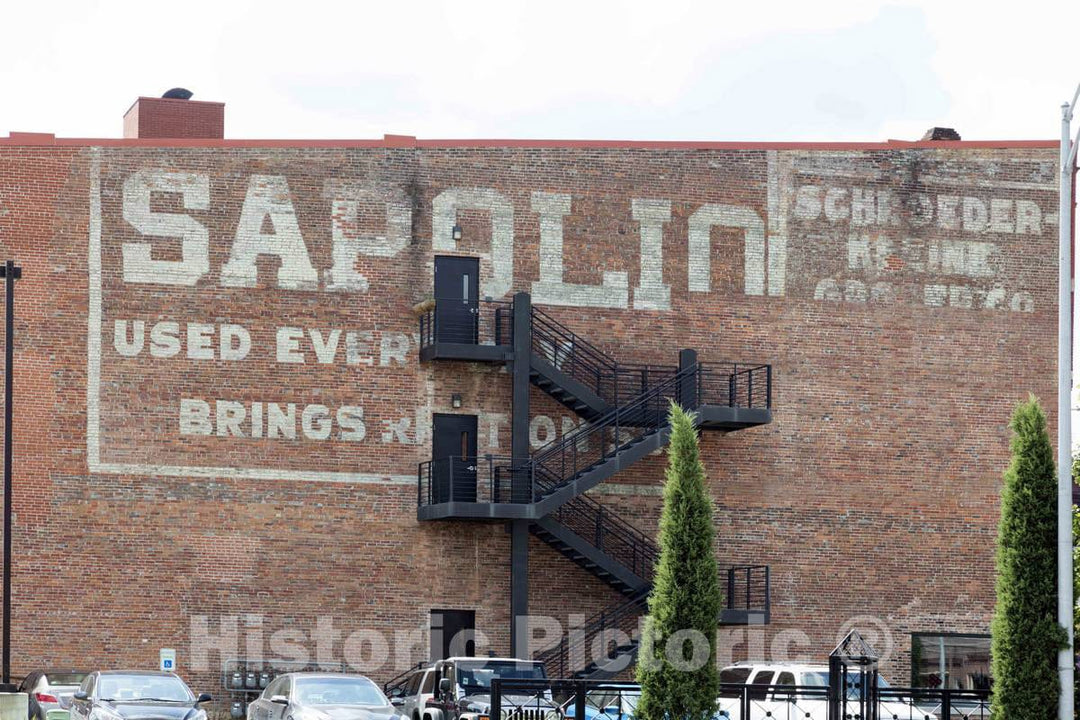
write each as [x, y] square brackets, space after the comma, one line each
[686, 591]
[1025, 634]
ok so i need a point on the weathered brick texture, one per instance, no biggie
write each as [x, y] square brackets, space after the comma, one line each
[905, 295]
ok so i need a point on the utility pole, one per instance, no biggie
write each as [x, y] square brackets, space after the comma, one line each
[10, 272]
[1064, 506]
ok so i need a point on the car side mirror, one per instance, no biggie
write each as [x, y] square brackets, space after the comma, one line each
[204, 697]
[80, 696]
[279, 699]
[445, 686]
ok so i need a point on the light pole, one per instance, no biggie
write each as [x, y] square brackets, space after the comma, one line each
[1064, 504]
[10, 272]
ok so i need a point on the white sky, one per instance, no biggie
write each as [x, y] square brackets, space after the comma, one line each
[667, 69]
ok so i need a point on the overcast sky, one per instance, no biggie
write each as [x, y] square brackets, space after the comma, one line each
[666, 69]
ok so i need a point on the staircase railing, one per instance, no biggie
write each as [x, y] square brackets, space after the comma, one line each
[746, 586]
[590, 445]
[602, 527]
[616, 624]
[476, 322]
[571, 353]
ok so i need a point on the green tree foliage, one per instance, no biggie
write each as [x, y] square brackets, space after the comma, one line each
[1025, 634]
[677, 681]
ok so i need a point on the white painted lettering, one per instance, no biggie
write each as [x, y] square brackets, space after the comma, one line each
[269, 199]
[288, 345]
[651, 293]
[134, 346]
[194, 262]
[195, 417]
[444, 210]
[550, 289]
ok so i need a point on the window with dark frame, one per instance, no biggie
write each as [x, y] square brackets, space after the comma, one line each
[953, 660]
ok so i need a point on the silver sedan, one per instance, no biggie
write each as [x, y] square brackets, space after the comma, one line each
[321, 696]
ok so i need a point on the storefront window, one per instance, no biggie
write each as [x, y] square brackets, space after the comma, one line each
[954, 661]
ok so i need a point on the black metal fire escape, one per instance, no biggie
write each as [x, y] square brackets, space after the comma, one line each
[625, 411]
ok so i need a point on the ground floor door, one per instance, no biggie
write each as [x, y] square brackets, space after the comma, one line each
[452, 633]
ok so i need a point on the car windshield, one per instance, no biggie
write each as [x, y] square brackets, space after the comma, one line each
[66, 678]
[821, 679]
[167, 688]
[480, 675]
[338, 691]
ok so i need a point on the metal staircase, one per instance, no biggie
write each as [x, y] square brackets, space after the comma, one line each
[626, 410]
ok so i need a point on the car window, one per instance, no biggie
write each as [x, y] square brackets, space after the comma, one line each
[88, 686]
[760, 684]
[735, 675]
[338, 691]
[785, 678]
[414, 683]
[137, 687]
[429, 682]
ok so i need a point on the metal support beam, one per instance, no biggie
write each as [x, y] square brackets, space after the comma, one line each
[10, 272]
[688, 389]
[1066, 659]
[522, 482]
[519, 588]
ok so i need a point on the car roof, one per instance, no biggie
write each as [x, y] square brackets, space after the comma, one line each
[157, 673]
[482, 660]
[319, 674]
[802, 667]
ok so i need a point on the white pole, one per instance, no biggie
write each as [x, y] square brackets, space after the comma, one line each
[1064, 505]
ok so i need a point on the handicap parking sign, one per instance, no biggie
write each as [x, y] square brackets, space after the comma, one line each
[168, 660]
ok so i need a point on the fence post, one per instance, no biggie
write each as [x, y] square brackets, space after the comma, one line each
[946, 701]
[496, 697]
[768, 386]
[731, 387]
[579, 703]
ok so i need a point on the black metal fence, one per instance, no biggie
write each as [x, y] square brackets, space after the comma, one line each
[605, 700]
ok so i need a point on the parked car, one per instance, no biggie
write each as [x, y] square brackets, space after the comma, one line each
[50, 690]
[789, 689]
[417, 690]
[119, 694]
[321, 696]
[463, 690]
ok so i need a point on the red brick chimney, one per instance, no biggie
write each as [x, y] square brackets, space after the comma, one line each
[174, 115]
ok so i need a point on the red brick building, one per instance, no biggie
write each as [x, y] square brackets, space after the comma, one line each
[224, 391]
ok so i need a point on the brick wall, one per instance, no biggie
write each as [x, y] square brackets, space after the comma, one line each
[904, 295]
[173, 118]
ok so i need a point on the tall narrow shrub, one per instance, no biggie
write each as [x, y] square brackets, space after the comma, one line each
[1025, 633]
[677, 681]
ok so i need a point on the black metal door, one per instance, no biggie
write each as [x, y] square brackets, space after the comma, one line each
[453, 452]
[452, 633]
[457, 287]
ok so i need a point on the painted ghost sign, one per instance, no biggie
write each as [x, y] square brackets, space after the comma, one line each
[254, 323]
